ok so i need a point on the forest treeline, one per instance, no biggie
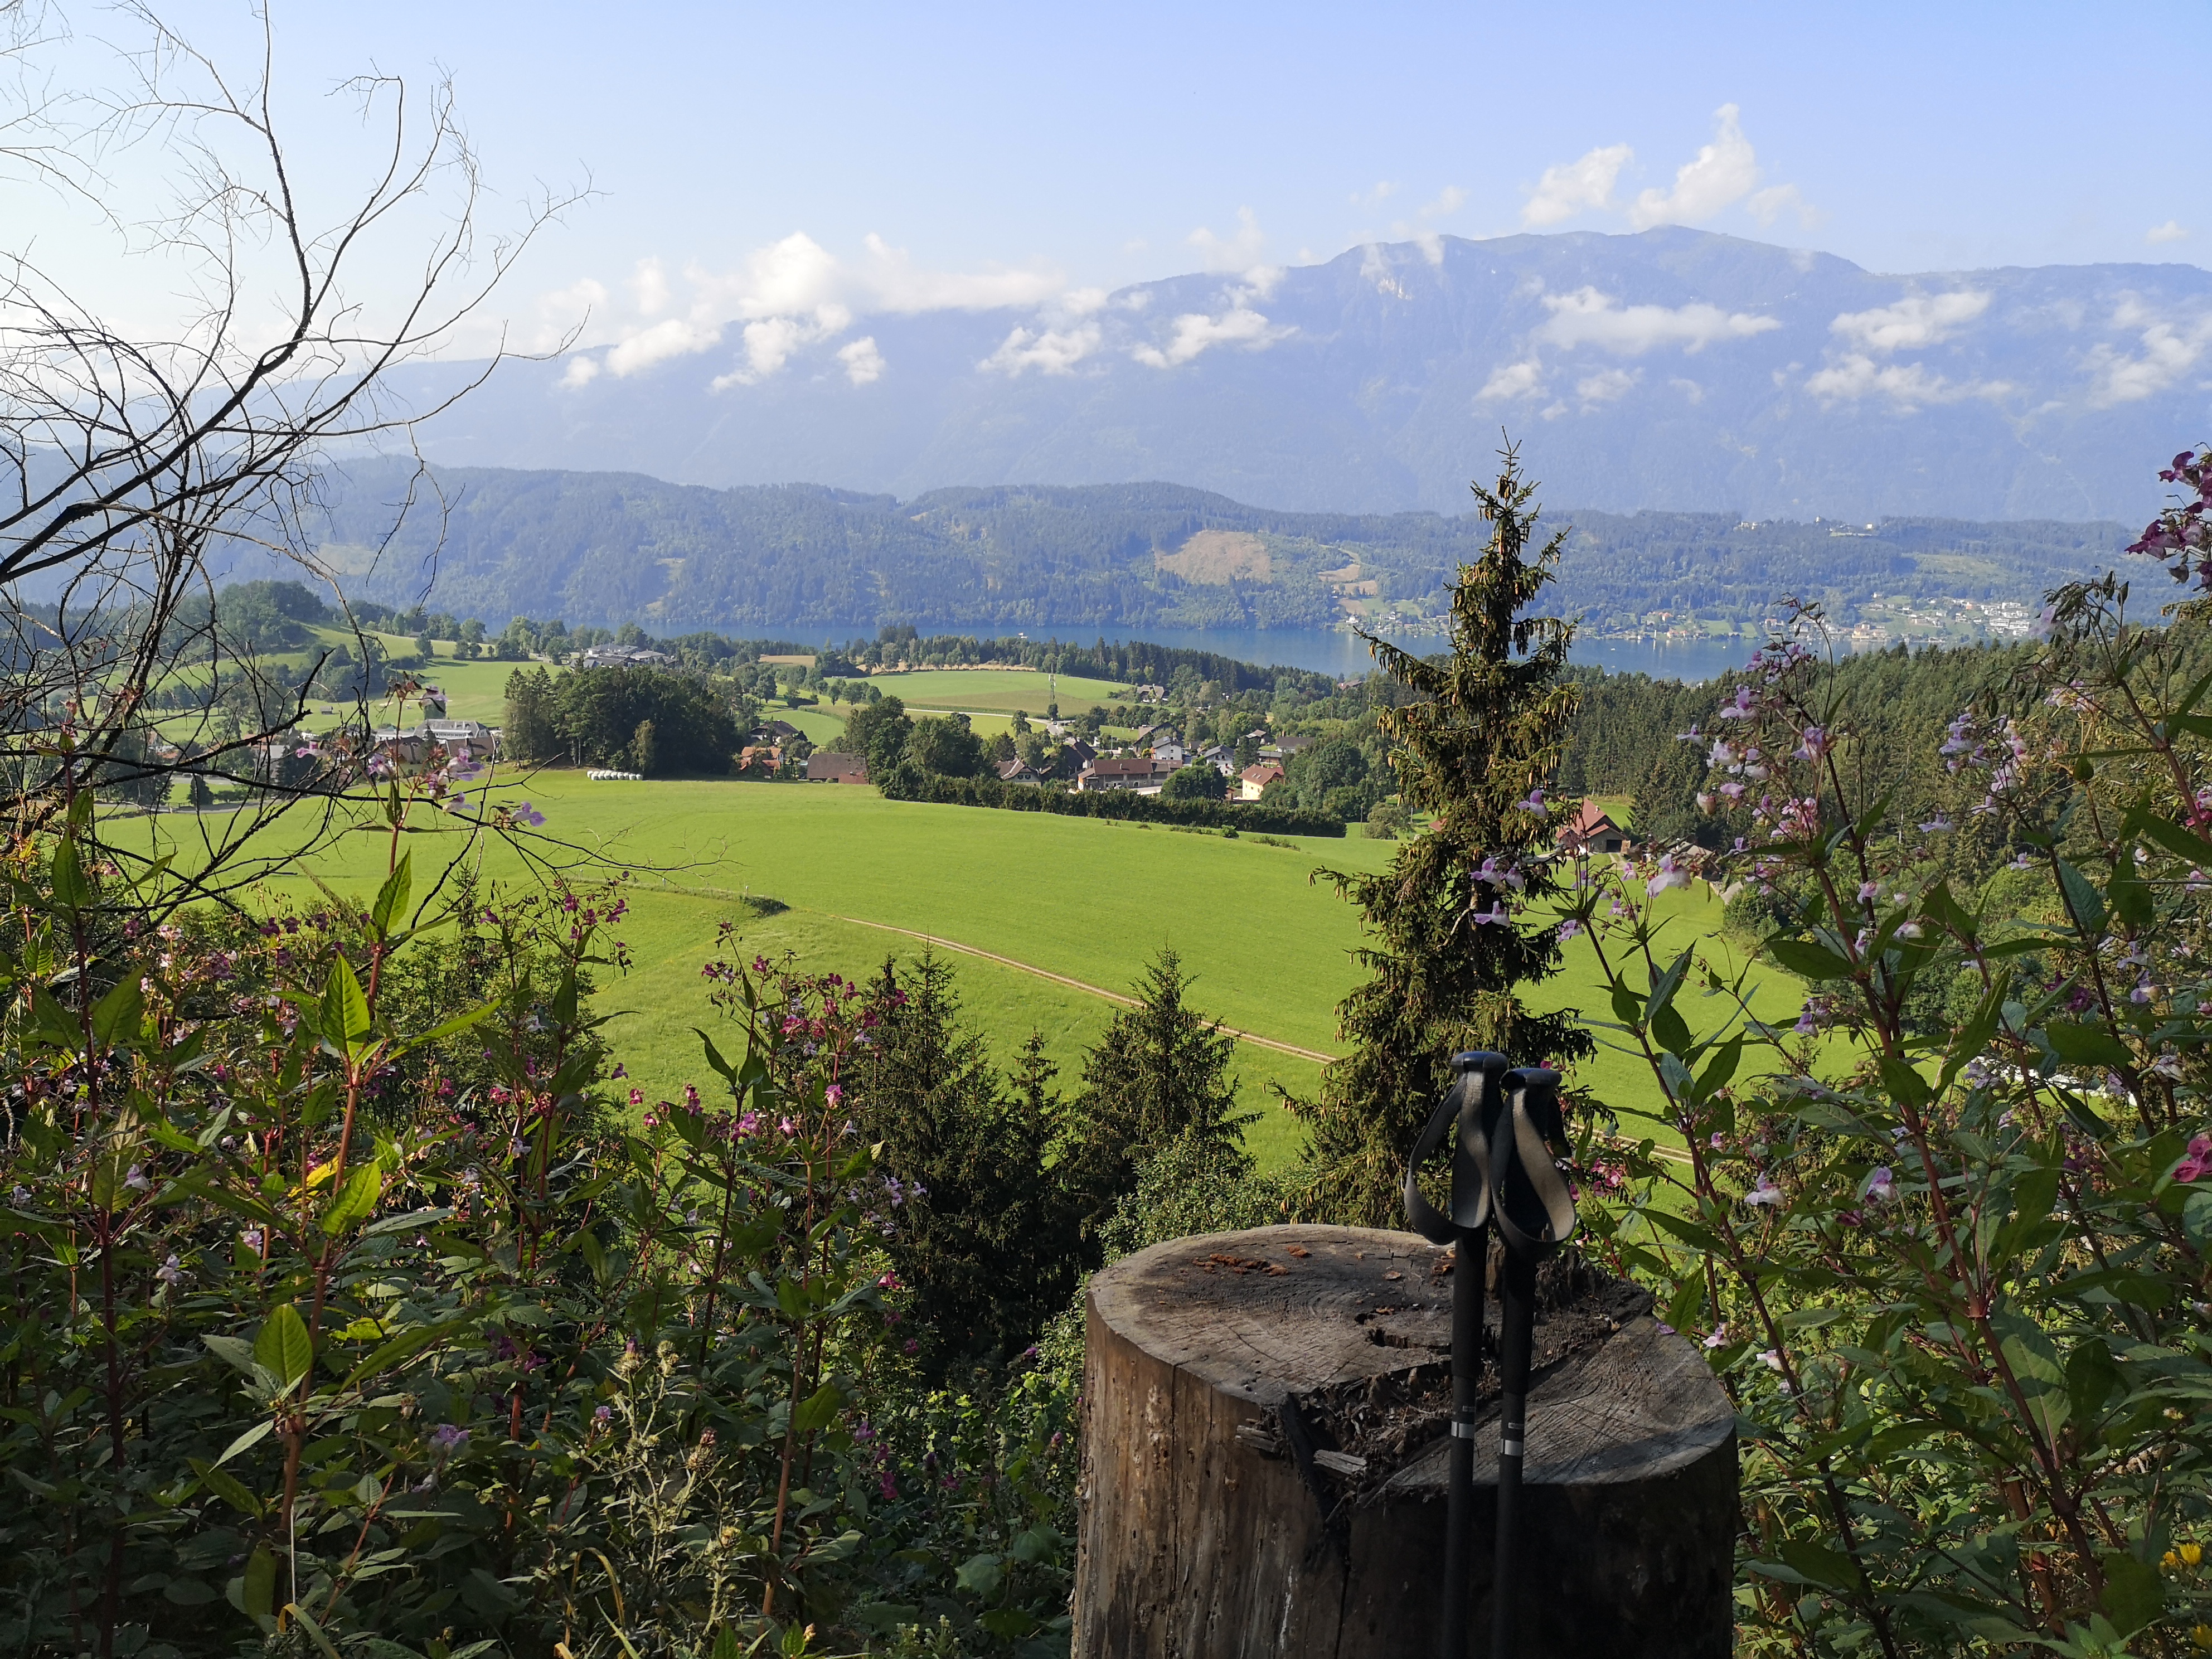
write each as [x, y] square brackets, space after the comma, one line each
[605, 546]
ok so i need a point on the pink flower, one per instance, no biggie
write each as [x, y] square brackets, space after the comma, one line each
[2197, 1164]
[1668, 874]
[1876, 1188]
[1766, 1193]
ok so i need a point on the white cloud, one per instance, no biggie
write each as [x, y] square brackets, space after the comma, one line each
[1510, 380]
[2170, 349]
[1589, 317]
[864, 364]
[650, 282]
[789, 293]
[1606, 385]
[1573, 187]
[1449, 200]
[2172, 231]
[890, 282]
[1721, 174]
[1689, 389]
[771, 342]
[1053, 351]
[678, 337]
[1767, 205]
[1196, 331]
[1239, 253]
[1916, 320]
[1384, 189]
[1908, 386]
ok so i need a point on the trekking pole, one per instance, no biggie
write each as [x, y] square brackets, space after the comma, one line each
[1474, 1100]
[1536, 1215]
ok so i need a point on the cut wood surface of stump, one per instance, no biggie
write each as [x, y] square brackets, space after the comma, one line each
[1265, 1423]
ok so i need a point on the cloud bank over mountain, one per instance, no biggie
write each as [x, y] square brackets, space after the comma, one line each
[1671, 369]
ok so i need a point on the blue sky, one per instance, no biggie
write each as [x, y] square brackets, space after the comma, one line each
[1022, 152]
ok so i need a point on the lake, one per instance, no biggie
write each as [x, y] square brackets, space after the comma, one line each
[1331, 651]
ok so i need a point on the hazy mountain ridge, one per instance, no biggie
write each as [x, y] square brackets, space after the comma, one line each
[603, 548]
[1674, 369]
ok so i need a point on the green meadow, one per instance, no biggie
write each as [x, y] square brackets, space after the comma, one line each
[1087, 899]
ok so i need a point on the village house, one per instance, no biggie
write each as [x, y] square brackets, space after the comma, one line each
[1117, 772]
[826, 766]
[1255, 778]
[1591, 829]
[622, 656]
[465, 739]
[1083, 752]
[1169, 754]
[1018, 770]
[1221, 760]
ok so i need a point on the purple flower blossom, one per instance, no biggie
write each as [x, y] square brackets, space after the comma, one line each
[1741, 708]
[1876, 1188]
[527, 815]
[446, 1439]
[1766, 1193]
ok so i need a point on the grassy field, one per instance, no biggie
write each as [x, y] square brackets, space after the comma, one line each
[995, 690]
[1087, 900]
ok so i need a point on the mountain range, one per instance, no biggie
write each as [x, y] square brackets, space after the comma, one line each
[605, 548]
[1673, 369]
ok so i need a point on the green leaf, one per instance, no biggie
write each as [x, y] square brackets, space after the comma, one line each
[2197, 1219]
[2177, 841]
[714, 1055]
[237, 1351]
[982, 1575]
[1808, 960]
[261, 1583]
[345, 1010]
[116, 1017]
[2091, 1379]
[1816, 1564]
[2134, 1595]
[307, 1624]
[227, 1488]
[819, 1410]
[1722, 1067]
[405, 1346]
[1903, 1080]
[392, 897]
[71, 890]
[2034, 1361]
[282, 1348]
[2087, 1045]
[254, 1437]
[2083, 898]
[364, 1185]
[1973, 1037]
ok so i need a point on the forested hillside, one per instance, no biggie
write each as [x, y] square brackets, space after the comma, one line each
[605, 548]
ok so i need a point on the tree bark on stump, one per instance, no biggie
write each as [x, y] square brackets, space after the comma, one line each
[1217, 1517]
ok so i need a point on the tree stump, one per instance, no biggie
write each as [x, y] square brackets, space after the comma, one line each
[1266, 1432]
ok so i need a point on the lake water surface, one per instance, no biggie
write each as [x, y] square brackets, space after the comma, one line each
[1330, 651]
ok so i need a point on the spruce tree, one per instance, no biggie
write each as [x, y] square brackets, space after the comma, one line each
[1159, 1073]
[985, 1233]
[1456, 925]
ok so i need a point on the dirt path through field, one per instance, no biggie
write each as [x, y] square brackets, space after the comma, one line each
[1078, 985]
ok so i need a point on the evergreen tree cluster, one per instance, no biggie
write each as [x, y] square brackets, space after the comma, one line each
[1000, 1188]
